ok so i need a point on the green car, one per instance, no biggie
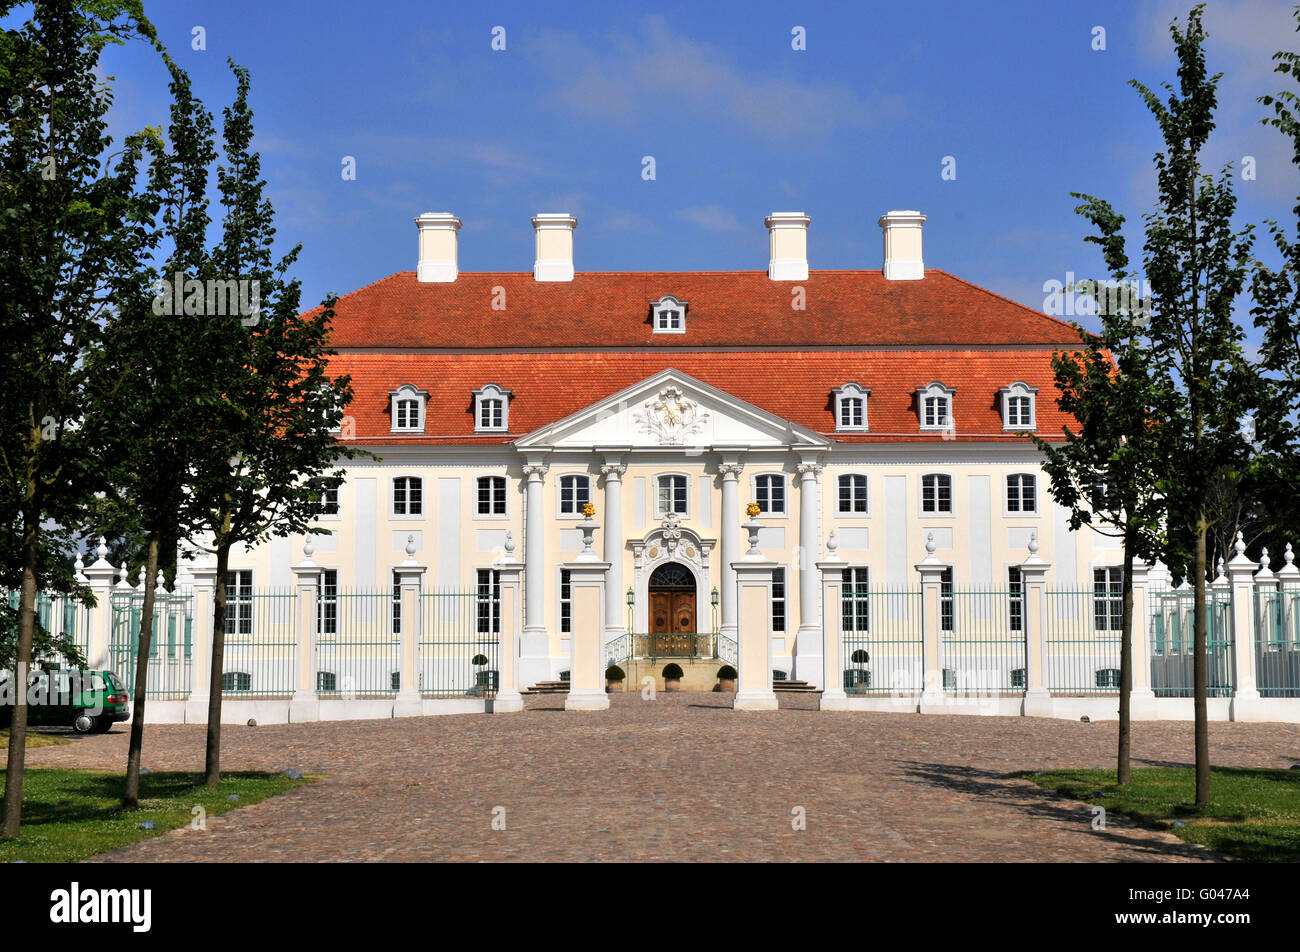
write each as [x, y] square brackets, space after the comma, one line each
[89, 702]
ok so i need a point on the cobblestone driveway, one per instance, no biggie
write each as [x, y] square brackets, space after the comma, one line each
[680, 778]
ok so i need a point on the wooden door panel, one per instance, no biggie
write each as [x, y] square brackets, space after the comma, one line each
[661, 613]
[683, 616]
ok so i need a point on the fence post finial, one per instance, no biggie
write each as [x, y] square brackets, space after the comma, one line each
[1263, 558]
[1240, 544]
[1288, 557]
[121, 575]
[140, 578]
[159, 581]
[78, 565]
[101, 550]
[308, 547]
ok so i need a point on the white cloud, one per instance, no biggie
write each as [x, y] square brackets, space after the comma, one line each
[710, 218]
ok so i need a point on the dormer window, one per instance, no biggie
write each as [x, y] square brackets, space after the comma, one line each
[934, 406]
[1018, 406]
[851, 407]
[669, 315]
[491, 409]
[408, 409]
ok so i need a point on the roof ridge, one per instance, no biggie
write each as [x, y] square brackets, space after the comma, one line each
[1003, 297]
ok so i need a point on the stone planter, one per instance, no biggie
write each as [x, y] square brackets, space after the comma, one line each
[672, 684]
[727, 684]
[611, 686]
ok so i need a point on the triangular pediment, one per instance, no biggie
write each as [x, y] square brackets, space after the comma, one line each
[669, 410]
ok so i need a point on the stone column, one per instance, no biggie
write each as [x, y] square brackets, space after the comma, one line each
[613, 471]
[204, 574]
[832, 573]
[931, 571]
[754, 627]
[809, 644]
[730, 469]
[1033, 579]
[1245, 705]
[410, 702]
[508, 698]
[535, 660]
[305, 704]
[1288, 579]
[99, 576]
[586, 647]
[1142, 700]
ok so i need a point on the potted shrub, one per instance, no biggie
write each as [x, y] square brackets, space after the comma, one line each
[726, 678]
[672, 677]
[614, 676]
[858, 676]
[484, 680]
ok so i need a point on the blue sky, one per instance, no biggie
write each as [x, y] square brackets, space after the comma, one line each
[739, 123]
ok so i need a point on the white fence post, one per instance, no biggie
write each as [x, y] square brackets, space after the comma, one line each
[305, 704]
[205, 590]
[1033, 576]
[1245, 705]
[832, 572]
[409, 574]
[931, 571]
[1142, 699]
[509, 570]
[99, 576]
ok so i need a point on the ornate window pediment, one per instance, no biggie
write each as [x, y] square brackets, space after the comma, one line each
[851, 406]
[1018, 406]
[407, 404]
[491, 409]
[934, 406]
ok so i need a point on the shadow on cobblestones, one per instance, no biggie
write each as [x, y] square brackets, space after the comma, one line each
[1031, 801]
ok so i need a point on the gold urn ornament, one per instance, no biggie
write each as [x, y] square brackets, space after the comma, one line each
[588, 510]
[752, 510]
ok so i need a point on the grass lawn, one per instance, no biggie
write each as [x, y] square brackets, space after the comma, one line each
[69, 815]
[34, 740]
[1254, 814]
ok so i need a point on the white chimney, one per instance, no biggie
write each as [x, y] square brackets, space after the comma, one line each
[787, 246]
[903, 245]
[438, 251]
[554, 246]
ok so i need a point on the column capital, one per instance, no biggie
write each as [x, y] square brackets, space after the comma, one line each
[730, 471]
[534, 470]
[809, 469]
[613, 471]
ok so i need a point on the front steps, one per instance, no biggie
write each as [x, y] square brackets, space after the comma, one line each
[794, 687]
[548, 687]
[698, 674]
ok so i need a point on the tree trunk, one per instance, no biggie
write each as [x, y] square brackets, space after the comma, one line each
[131, 794]
[1122, 766]
[1200, 669]
[213, 768]
[17, 760]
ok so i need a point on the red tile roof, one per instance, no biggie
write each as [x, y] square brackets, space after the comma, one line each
[565, 345]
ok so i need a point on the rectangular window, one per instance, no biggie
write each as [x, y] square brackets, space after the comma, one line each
[327, 604]
[491, 414]
[408, 414]
[1022, 495]
[489, 602]
[946, 599]
[329, 501]
[672, 494]
[1015, 600]
[566, 603]
[492, 496]
[408, 496]
[936, 493]
[397, 605]
[239, 602]
[936, 411]
[575, 492]
[1108, 598]
[769, 493]
[778, 599]
[851, 415]
[853, 495]
[855, 606]
[1018, 411]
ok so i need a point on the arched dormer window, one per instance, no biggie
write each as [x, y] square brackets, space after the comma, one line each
[407, 408]
[669, 315]
[491, 409]
[934, 406]
[851, 406]
[1018, 406]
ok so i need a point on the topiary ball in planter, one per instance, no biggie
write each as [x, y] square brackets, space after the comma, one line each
[479, 659]
[726, 678]
[672, 677]
[614, 676]
[860, 657]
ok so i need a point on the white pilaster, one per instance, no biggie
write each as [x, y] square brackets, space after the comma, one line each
[809, 644]
[409, 580]
[613, 470]
[832, 572]
[1245, 705]
[508, 698]
[535, 658]
[587, 593]
[730, 469]
[1142, 699]
[305, 703]
[1033, 576]
[931, 571]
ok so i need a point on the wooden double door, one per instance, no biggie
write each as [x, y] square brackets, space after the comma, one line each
[672, 611]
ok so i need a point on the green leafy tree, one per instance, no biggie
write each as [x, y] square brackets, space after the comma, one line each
[1196, 264]
[268, 449]
[72, 233]
[1104, 469]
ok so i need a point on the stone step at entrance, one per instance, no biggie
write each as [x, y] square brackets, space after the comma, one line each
[788, 686]
[548, 687]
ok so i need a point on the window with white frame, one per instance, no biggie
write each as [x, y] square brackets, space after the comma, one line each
[491, 409]
[575, 492]
[778, 599]
[489, 602]
[327, 604]
[1107, 677]
[769, 493]
[491, 495]
[408, 496]
[1022, 493]
[1018, 406]
[1108, 598]
[236, 681]
[947, 600]
[934, 405]
[327, 505]
[326, 682]
[669, 315]
[855, 604]
[936, 492]
[672, 495]
[566, 602]
[1015, 600]
[397, 605]
[239, 603]
[851, 407]
[853, 495]
[408, 404]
